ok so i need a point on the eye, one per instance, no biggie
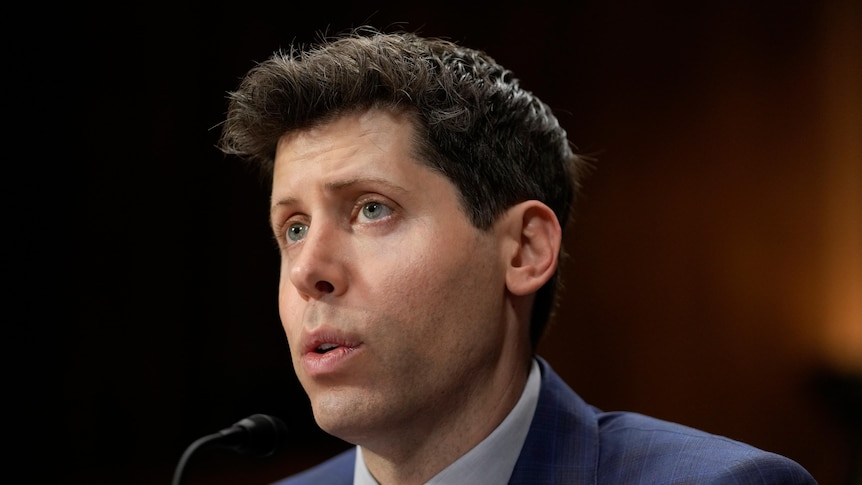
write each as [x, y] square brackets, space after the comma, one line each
[296, 232]
[375, 210]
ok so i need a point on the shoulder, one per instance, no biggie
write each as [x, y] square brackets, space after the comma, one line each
[640, 449]
[337, 470]
[571, 438]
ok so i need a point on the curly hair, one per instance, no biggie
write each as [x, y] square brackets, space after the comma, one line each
[498, 143]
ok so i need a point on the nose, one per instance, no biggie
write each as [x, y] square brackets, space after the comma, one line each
[317, 269]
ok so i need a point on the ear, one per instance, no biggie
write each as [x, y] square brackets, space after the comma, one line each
[535, 231]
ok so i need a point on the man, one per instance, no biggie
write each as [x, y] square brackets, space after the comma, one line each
[419, 198]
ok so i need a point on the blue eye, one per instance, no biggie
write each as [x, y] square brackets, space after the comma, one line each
[375, 210]
[296, 232]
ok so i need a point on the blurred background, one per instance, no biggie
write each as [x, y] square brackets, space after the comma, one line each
[715, 270]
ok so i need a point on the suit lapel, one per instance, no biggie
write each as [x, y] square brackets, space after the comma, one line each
[563, 441]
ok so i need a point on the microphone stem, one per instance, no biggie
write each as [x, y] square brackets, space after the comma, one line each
[192, 448]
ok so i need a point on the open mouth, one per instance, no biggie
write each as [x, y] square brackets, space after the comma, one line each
[322, 349]
[327, 355]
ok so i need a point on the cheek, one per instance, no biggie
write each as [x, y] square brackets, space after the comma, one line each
[288, 309]
[442, 295]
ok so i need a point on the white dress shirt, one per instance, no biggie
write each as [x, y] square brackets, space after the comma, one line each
[491, 461]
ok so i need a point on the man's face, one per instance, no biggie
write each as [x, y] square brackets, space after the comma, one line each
[391, 300]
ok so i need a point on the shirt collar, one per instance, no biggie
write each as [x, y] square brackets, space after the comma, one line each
[491, 461]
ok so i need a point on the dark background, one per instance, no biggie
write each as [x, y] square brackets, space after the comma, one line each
[714, 277]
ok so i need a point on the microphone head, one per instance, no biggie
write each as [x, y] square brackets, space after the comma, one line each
[257, 435]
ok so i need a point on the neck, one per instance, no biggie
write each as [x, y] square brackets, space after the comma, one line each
[424, 449]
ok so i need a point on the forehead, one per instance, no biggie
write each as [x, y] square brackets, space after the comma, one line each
[370, 144]
[385, 129]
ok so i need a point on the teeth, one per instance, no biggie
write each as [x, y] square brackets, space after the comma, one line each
[326, 347]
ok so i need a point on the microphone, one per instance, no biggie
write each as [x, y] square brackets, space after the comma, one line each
[258, 435]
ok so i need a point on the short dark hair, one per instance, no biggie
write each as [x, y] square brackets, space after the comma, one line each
[497, 142]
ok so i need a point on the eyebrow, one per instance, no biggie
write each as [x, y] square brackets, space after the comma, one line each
[341, 185]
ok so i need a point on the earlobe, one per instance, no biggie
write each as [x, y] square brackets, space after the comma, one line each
[537, 231]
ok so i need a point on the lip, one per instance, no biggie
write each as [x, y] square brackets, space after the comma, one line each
[333, 361]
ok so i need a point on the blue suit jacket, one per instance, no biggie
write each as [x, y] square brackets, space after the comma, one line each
[571, 442]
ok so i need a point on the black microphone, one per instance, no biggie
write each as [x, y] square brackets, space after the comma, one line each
[258, 435]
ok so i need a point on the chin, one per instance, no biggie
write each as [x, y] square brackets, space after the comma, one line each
[347, 419]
